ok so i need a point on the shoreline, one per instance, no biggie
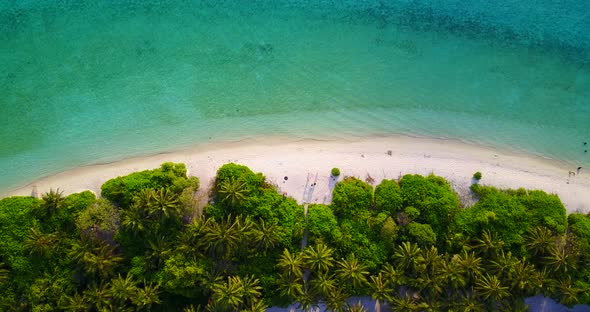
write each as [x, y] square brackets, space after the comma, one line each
[305, 161]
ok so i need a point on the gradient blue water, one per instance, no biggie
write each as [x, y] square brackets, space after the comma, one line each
[92, 81]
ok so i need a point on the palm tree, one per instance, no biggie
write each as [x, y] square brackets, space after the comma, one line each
[222, 237]
[147, 296]
[470, 303]
[53, 200]
[232, 191]
[192, 308]
[336, 300]
[256, 306]
[165, 204]
[251, 289]
[230, 294]
[247, 235]
[292, 288]
[429, 260]
[323, 283]
[134, 218]
[144, 199]
[569, 294]
[123, 288]
[351, 270]
[503, 264]
[99, 296]
[430, 283]
[265, 235]
[453, 274]
[392, 276]
[306, 301]
[356, 307]
[39, 243]
[404, 303]
[318, 258]
[209, 281]
[488, 244]
[158, 251]
[102, 261]
[561, 258]
[490, 287]
[538, 240]
[75, 303]
[380, 290]
[524, 278]
[543, 282]
[3, 273]
[468, 263]
[292, 264]
[406, 255]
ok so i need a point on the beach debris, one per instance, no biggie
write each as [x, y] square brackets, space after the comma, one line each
[286, 178]
[389, 152]
[369, 179]
[363, 155]
[571, 173]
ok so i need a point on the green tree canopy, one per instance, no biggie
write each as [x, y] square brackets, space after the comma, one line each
[322, 224]
[433, 197]
[388, 197]
[352, 197]
[122, 190]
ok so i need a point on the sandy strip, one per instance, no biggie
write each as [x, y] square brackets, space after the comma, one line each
[307, 162]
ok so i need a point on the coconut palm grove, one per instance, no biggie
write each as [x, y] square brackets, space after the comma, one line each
[149, 243]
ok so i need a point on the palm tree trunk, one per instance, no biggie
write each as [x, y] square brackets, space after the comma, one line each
[377, 306]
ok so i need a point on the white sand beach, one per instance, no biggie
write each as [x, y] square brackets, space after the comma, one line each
[307, 162]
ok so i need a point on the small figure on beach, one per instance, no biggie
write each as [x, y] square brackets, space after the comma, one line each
[578, 170]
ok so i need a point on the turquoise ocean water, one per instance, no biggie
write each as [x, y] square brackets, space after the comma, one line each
[83, 82]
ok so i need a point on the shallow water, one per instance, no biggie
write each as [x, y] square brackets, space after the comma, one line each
[93, 81]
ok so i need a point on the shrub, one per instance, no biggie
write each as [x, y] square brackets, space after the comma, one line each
[545, 209]
[580, 226]
[254, 181]
[100, 217]
[170, 176]
[499, 213]
[322, 224]
[434, 199]
[389, 230]
[335, 172]
[477, 176]
[388, 197]
[422, 234]
[70, 207]
[351, 197]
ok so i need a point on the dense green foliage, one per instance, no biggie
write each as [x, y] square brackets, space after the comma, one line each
[147, 245]
[388, 197]
[352, 197]
[434, 199]
[477, 176]
[122, 190]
